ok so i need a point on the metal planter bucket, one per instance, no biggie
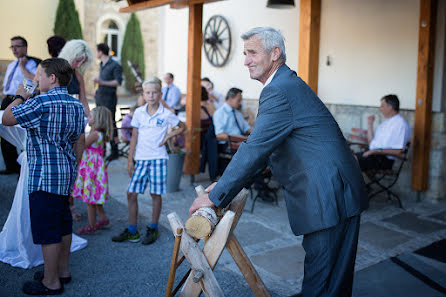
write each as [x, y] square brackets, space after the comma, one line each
[174, 172]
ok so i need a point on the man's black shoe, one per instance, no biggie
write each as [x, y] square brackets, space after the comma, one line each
[37, 288]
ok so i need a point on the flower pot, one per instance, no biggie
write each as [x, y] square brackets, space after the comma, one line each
[174, 172]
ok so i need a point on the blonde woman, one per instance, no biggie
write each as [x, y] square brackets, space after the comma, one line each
[79, 55]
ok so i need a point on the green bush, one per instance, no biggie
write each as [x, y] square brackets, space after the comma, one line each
[133, 51]
[67, 21]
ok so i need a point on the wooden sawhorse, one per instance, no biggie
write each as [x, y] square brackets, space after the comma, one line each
[201, 277]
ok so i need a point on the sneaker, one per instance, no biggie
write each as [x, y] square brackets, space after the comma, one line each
[126, 236]
[87, 230]
[151, 236]
[104, 224]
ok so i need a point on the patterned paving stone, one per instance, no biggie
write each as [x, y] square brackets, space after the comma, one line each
[251, 233]
[440, 216]
[381, 237]
[289, 263]
[410, 221]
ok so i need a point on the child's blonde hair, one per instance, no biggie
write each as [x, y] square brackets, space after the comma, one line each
[103, 121]
[152, 81]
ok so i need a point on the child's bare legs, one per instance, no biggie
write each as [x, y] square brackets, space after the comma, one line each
[132, 200]
[101, 213]
[156, 208]
[91, 210]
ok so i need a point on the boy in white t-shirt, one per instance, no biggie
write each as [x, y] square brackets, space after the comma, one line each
[150, 123]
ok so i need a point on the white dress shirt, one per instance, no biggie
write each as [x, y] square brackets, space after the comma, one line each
[18, 76]
[393, 133]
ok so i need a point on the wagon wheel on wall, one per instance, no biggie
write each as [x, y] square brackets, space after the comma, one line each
[217, 41]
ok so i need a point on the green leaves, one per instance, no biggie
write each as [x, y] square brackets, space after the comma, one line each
[133, 51]
[67, 22]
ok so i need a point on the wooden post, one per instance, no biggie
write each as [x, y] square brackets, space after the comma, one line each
[423, 109]
[193, 97]
[309, 31]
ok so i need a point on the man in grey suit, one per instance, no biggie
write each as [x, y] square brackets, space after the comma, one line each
[302, 143]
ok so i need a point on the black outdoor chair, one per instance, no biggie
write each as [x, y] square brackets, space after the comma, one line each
[261, 184]
[385, 179]
[123, 146]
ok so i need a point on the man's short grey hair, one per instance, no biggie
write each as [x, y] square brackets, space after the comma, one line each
[270, 38]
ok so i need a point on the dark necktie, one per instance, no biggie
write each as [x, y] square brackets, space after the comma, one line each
[236, 122]
[8, 83]
[167, 92]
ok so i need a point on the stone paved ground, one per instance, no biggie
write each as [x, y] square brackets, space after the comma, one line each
[135, 270]
[105, 268]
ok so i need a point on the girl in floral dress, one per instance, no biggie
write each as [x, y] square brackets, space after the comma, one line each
[92, 181]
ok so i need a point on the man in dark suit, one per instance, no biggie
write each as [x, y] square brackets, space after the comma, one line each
[302, 143]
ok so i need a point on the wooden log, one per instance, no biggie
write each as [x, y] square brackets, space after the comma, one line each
[203, 220]
[196, 258]
[201, 223]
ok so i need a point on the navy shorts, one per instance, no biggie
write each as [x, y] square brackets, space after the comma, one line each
[50, 217]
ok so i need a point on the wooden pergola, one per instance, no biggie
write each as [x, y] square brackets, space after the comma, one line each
[309, 31]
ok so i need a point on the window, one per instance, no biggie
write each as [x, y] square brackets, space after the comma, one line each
[110, 35]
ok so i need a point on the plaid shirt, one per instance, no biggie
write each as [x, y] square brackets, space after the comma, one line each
[54, 121]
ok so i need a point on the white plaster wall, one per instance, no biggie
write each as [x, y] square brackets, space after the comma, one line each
[34, 20]
[241, 16]
[372, 45]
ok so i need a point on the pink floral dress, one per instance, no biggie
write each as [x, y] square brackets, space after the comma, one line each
[92, 180]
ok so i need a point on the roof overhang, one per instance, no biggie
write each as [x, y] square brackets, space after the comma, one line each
[136, 5]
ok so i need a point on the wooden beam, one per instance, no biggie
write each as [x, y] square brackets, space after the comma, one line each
[309, 31]
[193, 97]
[186, 3]
[144, 5]
[423, 109]
[244, 264]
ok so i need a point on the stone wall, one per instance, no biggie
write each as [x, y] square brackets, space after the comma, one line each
[97, 11]
[353, 116]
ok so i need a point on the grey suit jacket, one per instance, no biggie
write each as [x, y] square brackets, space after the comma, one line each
[300, 140]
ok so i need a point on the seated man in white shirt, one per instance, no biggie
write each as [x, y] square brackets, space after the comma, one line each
[390, 137]
[228, 120]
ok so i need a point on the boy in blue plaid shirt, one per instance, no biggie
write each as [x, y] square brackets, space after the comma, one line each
[54, 122]
[150, 123]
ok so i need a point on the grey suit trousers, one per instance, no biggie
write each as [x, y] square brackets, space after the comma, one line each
[330, 260]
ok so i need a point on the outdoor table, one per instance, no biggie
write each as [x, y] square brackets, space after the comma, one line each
[16, 243]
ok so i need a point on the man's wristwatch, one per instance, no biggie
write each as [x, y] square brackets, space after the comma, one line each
[18, 97]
